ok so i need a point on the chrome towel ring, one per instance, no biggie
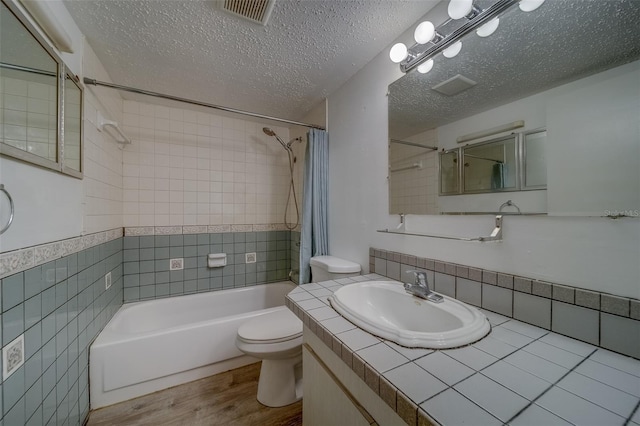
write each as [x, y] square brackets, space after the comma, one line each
[2, 188]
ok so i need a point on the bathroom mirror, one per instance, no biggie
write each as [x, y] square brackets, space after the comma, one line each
[534, 173]
[449, 175]
[570, 68]
[32, 98]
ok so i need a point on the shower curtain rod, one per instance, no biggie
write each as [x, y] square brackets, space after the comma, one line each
[95, 82]
[419, 145]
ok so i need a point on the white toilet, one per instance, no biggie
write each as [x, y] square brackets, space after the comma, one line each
[324, 268]
[275, 338]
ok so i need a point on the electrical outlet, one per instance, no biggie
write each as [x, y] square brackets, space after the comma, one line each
[176, 264]
[107, 281]
[12, 357]
[249, 258]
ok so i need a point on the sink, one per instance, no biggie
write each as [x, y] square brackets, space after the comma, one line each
[384, 309]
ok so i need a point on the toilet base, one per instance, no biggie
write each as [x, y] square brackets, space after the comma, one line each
[280, 381]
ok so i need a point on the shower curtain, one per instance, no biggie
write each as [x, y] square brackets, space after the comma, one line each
[314, 235]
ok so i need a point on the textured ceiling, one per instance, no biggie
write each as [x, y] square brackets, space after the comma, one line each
[194, 50]
[560, 42]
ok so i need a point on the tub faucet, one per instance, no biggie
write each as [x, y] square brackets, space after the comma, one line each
[420, 288]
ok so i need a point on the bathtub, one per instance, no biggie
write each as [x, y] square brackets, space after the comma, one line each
[153, 345]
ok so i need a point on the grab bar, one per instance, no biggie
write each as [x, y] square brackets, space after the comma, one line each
[2, 188]
[496, 234]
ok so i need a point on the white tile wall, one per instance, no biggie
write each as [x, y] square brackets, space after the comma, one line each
[102, 156]
[414, 190]
[188, 167]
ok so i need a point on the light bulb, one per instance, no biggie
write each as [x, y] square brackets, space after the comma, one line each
[530, 5]
[489, 28]
[453, 50]
[425, 67]
[398, 52]
[424, 32]
[460, 8]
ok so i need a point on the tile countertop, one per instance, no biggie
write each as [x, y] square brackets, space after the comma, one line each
[517, 375]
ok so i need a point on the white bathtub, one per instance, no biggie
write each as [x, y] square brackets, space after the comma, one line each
[153, 345]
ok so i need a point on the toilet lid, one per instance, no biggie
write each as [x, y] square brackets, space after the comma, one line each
[276, 326]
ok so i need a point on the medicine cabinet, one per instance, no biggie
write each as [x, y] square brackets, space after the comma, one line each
[511, 163]
[40, 100]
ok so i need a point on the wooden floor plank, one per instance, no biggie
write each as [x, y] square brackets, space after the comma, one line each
[224, 399]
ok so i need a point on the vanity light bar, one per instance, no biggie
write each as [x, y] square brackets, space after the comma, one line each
[492, 131]
[416, 56]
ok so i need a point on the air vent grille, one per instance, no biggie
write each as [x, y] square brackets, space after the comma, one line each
[454, 85]
[254, 10]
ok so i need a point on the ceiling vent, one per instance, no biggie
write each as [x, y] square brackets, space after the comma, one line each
[257, 11]
[454, 85]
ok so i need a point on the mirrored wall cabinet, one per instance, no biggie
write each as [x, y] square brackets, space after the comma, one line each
[511, 163]
[40, 100]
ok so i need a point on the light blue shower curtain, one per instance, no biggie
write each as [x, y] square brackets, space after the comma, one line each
[314, 236]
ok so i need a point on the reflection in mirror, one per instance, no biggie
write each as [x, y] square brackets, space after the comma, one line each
[571, 67]
[412, 165]
[490, 166]
[72, 124]
[449, 173]
[28, 90]
[535, 161]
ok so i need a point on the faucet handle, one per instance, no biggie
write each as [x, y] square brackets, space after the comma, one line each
[421, 276]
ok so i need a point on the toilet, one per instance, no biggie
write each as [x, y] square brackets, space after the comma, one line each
[325, 268]
[276, 338]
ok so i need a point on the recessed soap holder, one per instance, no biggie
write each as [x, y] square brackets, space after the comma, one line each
[216, 260]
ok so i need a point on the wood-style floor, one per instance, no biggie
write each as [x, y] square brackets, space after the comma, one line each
[224, 399]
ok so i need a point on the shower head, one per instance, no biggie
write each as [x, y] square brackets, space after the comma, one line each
[267, 131]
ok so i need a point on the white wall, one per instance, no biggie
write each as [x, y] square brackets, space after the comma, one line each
[50, 206]
[590, 252]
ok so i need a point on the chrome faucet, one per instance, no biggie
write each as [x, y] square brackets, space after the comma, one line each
[420, 288]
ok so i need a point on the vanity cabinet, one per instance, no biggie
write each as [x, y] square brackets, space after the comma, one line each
[334, 395]
[325, 401]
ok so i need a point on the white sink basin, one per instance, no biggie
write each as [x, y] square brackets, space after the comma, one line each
[384, 308]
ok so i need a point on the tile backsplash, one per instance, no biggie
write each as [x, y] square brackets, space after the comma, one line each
[597, 318]
[146, 262]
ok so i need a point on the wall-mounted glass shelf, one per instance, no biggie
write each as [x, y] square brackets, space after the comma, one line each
[496, 234]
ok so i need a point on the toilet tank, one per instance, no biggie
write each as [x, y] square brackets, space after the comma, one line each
[324, 268]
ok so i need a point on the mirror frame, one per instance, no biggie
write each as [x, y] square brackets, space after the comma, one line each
[62, 72]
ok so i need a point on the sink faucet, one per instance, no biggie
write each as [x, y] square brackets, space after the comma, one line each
[420, 288]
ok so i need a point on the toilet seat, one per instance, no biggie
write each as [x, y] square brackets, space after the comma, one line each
[278, 326]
